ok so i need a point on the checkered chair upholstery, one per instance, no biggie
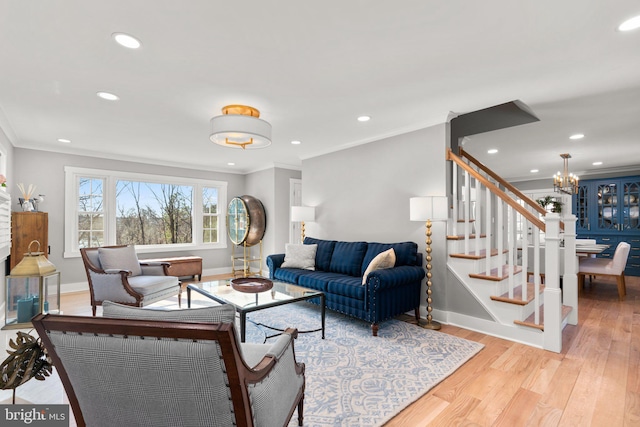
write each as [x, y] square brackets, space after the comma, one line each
[133, 372]
[131, 282]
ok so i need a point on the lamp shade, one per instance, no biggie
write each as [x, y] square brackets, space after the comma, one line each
[432, 208]
[303, 213]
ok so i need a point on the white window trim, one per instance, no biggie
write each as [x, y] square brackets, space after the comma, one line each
[71, 249]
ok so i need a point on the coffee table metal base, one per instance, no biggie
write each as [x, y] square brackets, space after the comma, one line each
[244, 310]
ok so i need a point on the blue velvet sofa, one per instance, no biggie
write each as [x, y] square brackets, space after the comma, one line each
[339, 270]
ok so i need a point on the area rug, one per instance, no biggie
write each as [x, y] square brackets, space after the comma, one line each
[354, 379]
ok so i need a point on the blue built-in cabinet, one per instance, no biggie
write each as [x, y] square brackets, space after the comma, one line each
[608, 210]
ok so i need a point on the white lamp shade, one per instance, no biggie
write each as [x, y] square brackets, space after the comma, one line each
[238, 129]
[432, 208]
[303, 213]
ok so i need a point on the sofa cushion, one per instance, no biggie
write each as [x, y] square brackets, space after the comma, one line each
[324, 252]
[347, 258]
[347, 286]
[123, 258]
[318, 280]
[405, 253]
[300, 256]
[290, 275]
[386, 259]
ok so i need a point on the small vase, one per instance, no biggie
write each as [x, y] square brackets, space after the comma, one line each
[27, 206]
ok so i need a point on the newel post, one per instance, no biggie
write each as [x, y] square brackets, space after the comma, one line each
[570, 274]
[552, 292]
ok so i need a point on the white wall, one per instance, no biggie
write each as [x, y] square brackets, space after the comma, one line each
[6, 149]
[363, 193]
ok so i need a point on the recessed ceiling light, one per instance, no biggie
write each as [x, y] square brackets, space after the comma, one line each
[231, 164]
[596, 163]
[364, 118]
[126, 40]
[534, 171]
[630, 24]
[67, 141]
[108, 96]
[577, 136]
[492, 151]
[296, 142]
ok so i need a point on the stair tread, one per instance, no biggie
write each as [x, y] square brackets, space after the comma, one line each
[472, 254]
[517, 295]
[497, 274]
[529, 321]
[461, 236]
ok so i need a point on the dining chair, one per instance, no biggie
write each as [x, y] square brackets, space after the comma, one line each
[607, 267]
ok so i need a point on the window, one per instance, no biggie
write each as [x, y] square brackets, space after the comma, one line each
[155, 213]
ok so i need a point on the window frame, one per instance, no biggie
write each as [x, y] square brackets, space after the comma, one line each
[72, 175]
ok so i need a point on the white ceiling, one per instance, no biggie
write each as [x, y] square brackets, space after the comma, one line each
[312, 68]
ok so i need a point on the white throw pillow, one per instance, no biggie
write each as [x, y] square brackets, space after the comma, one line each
[124, 258]
[386, 259]
[300, 256]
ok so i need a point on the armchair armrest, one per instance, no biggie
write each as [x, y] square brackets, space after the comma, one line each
[276, 382]
[117, 271]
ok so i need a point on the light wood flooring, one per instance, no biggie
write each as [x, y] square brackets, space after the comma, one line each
[595, 381]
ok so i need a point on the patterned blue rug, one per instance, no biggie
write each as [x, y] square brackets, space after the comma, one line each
[354, 379]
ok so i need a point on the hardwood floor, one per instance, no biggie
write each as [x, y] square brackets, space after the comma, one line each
[595, 381]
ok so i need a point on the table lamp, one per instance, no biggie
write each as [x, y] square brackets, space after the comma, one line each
[302, 214]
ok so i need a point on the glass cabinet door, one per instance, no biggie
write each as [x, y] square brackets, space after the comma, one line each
[629, 205]
[607, 206]
[581, 208]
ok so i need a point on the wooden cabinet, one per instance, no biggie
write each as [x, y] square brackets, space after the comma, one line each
[607, 210]
[26, 227]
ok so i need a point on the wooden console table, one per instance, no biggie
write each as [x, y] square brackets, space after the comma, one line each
[182, 266]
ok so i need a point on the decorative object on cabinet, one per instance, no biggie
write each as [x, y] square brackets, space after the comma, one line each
[26, 227]
[246, 225]
[302, 214]
[432, 208]
[33, 287]
[565, 182]
[3, 182]
[607, 210]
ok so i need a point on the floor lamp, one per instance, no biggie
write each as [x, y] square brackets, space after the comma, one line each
[431, 208]
[302, 214]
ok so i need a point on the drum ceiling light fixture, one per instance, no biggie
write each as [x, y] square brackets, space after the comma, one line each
[239, 126]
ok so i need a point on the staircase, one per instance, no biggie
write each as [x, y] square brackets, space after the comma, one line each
[488, 253]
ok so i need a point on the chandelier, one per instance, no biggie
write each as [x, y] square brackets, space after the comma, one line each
[240, 127]
[565, 182]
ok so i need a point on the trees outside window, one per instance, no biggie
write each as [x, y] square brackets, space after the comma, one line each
[155, 213]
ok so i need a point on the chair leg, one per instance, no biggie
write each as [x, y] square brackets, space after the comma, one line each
[580, 283]
[300, 411]
[622, 288]
[93, 310]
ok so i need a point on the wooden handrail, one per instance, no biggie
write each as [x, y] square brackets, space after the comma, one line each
[496, 190]
[502, 181]
[506, 184]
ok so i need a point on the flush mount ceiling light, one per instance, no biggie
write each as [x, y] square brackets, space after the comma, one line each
[65, 140]
[492, 151]
[577, 136]
[240, 127]
[364, 118]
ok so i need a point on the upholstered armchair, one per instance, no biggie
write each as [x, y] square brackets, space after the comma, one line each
[133, 369]
[115, 274]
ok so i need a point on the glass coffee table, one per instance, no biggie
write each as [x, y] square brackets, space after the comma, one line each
[281, 293]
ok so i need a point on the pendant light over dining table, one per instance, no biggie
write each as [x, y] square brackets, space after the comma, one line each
[240, 126]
